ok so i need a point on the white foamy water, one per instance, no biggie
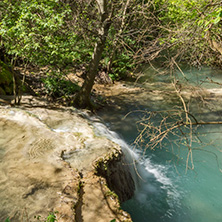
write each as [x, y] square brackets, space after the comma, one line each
[150, 179]
[169, 192]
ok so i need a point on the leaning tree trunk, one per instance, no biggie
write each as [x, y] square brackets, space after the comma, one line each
[82, 99]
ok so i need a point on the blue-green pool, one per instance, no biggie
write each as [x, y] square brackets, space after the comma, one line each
[167, 191]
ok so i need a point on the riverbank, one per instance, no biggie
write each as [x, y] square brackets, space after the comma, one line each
[52, 161]
[65, 158]
[170, 191]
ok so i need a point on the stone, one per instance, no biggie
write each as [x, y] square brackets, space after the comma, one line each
[47, 162]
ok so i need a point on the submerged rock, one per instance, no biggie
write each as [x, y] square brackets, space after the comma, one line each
[47, 160]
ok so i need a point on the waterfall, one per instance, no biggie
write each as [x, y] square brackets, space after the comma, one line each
[130, 155]
[150, 179]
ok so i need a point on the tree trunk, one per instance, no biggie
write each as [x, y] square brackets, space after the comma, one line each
[121, 29]
[82, 99]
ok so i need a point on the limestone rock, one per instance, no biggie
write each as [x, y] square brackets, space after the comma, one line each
[47, 161]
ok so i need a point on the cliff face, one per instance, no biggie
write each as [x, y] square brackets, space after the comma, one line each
[52, 161]
[114, 168]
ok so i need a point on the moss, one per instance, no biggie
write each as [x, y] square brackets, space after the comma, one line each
[2, 91]
[6, 80]
[80, 187]
[112, 194]
[101, 166]
[6, 76]
[116, 173]
[9, 89]
[78, 134]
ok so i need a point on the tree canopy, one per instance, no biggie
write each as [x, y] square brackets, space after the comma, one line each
[112, 36]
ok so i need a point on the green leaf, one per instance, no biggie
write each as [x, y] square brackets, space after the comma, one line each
[217, 20]
[207, 23]
[200, 22]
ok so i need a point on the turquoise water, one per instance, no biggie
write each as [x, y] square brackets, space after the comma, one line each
[171, 194]
[167, 191]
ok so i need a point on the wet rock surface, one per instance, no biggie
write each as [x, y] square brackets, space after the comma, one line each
[47, 160]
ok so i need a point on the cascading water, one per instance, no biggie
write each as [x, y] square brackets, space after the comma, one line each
[151, 181]
[166, 191]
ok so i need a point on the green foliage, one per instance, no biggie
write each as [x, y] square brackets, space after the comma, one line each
[80, 186]
[122, 60]
[50, 218]
[5, 75]
[7, 219]
[185, 25]
[122, 65]
[56, 85]
[63, 33]
[6, 80]
[111, 193]
[38, 30]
